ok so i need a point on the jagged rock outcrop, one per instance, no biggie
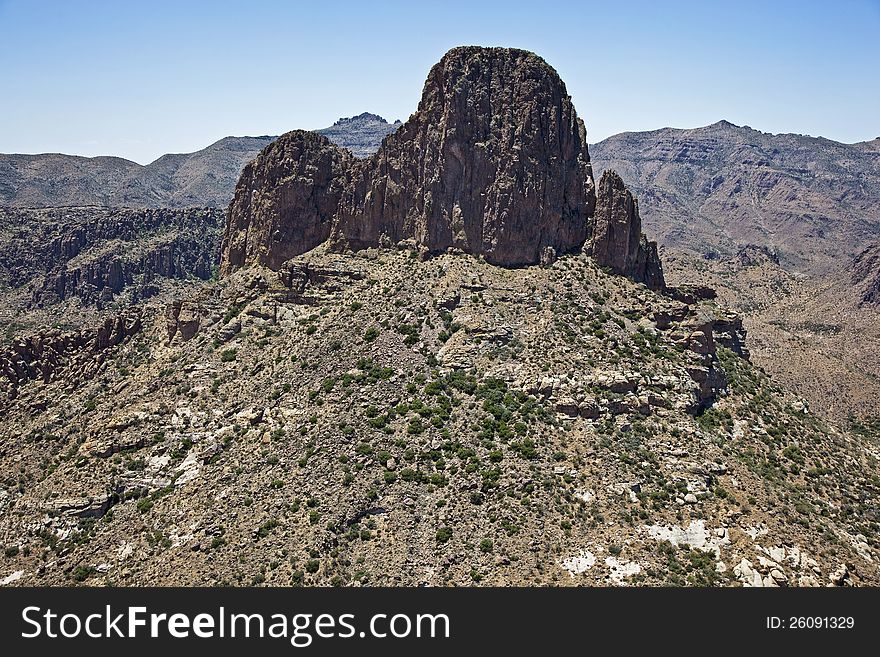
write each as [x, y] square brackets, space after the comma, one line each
[617, 241]
[50, 354]
[730, 333]
[285, 200]
[182, 319]
[493, 163]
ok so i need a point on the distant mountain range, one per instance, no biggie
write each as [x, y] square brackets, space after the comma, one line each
[709, 191]
[786, 229]
[717, 189]
[205, 178]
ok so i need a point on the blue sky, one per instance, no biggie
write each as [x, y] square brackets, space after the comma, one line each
[138, 79]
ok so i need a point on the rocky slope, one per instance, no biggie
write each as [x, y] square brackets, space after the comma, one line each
[60, 266]
[204, 178]
[375, 419]
[494, 163]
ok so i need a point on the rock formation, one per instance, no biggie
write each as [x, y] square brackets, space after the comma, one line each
[617, 241]
[78, 354]
[493, 163]
[285, 200]
[182, 318]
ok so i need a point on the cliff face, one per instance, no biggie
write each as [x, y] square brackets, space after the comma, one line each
[866, 275]
[494, 163]
[95, 253]
[617, 241]
[285, 200]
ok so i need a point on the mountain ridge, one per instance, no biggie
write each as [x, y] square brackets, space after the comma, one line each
[814, 199]
[203, 178]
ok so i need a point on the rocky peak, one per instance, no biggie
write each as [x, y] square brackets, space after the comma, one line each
[285, 200]
[617, 241]
[493, 163]
[364, 117]
[360, 134]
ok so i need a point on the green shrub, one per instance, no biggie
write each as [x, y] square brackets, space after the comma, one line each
[444, 534]
[232, 312]
[266, 528]
[82, 573]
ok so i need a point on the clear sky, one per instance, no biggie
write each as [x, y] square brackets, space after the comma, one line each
[141, 78]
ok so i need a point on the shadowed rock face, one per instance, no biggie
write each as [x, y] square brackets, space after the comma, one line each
[617, 241]
[494, 163]
[285, 200]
